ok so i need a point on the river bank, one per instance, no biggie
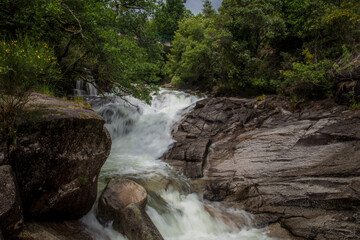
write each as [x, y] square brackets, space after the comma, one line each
[297, 168]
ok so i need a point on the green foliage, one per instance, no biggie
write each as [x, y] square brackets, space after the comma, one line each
[46, 45]
[342, 22]
[255, 46]
[168, 15]
[205, 54]
[254, 24]
[304, 17]
[207, 9]
[251, 46]
[308, 80]
[25, 64]
[109, 40]
[193, 57]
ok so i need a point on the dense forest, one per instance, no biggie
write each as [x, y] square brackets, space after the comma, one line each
[293, 47]
[299, 48]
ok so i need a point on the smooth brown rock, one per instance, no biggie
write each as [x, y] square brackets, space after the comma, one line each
[60, 150]
[300, 169]
[118, 194]
[137, 225]
[69, 230]
[11, 218]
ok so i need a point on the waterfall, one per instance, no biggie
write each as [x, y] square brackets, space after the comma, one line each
[89, 89]
[141, 134]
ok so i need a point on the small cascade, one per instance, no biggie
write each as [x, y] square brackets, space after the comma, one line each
[91, 89]
[141, 134]
[87, 89]
[79, 90]
[120, 118]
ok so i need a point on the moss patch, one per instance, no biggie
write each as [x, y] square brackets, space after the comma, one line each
[84, 115]
[83, 180]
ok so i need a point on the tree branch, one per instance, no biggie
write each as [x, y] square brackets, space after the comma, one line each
[77, 20]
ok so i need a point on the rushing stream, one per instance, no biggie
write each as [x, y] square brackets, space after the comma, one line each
[141, 134]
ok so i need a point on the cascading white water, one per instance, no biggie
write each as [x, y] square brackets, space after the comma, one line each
[88, 89]
[141, 135]
[91, 89]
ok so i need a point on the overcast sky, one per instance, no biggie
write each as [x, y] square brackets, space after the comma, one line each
[196, 5]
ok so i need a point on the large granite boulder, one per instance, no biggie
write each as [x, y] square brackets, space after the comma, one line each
[61, 147]
[298, 168]
[11, 217]
[123, 202]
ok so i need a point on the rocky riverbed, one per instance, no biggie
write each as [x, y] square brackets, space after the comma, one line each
[299, 168]
[294, 167]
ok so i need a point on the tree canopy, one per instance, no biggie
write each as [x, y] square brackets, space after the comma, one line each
[168, 15]
[299, 48]
[109, 40]
[207, 9]
[265, 46]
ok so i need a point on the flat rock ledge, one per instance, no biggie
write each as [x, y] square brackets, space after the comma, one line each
[123, 202]
[297, 168]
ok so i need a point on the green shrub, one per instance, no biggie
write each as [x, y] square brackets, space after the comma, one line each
[26, 64]
[308, 80]
[177, 81]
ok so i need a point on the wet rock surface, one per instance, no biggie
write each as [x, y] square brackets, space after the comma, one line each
[123, 202]
[297, 168]
[11, 217]
[137, 225]
[117, 195]
[68, 230]
[61, 147]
